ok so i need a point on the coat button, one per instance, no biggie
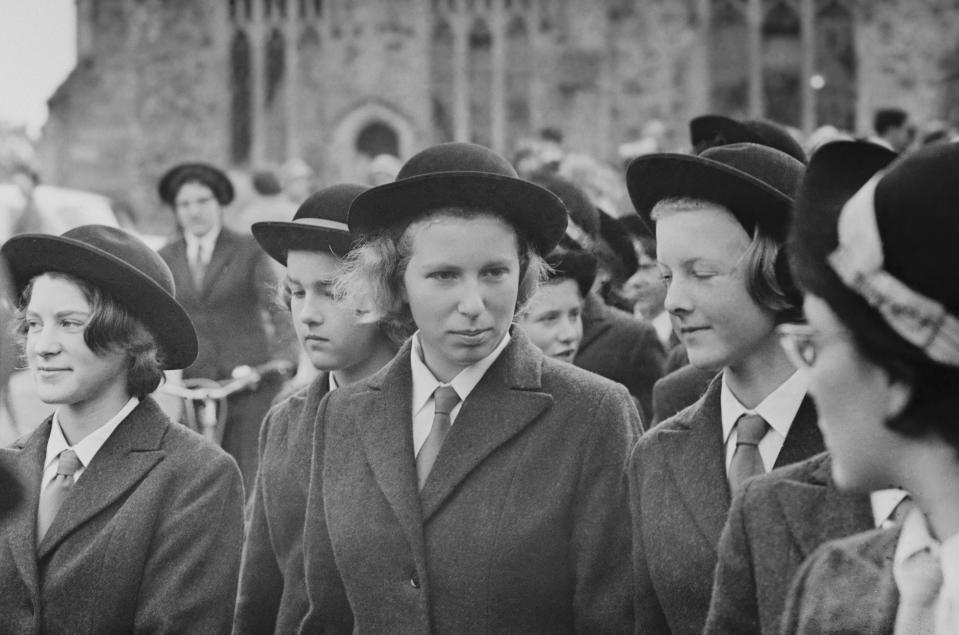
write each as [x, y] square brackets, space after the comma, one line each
[415, 580]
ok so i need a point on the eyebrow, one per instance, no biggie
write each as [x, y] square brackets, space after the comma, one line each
[61, 314]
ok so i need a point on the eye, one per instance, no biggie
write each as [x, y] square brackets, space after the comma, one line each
[296, 293]
[665, 278]
[496, 272]
[442, 275]
[71, 324]
[546, 318]
[33, 325]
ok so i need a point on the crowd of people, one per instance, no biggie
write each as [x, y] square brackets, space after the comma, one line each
[726, 409]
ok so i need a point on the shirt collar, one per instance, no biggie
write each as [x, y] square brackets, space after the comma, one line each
[332, 380]
[664, 326]
[779, 408]
[207, 241]
[87, 447]
[915, 537]
[884, 503]
[425, 383]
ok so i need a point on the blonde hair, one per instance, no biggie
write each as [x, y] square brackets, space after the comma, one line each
[371, 279]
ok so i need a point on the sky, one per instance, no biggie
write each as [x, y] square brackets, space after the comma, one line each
[37, 52]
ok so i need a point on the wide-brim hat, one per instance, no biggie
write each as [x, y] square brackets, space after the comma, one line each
[717, 130]
[212, 177]
[614, 233]
[121, 265]
[756, 183]
[320, 224]
[574, 264]
[461, 175]
[582, 211]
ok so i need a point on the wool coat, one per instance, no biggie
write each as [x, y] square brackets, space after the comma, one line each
[272, 596]
[228, 312]
[846, 586]
[522, 525]
[677, 390]
[621, 347]
[775, 523]
[679, 499]
[148, 540]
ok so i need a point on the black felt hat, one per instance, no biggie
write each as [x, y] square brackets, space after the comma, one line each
[120, 264]
[320, 224]
[582, 212]
[914, 201]
[708, 131]
[205, 173]
[574, 264]
[756, 183]
[461, 175]
[615, 234]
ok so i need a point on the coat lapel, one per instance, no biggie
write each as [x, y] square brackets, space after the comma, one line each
[694, 453]
[836, 514]
[25, 461]
[180, 266]
[223, 253]
[507, 399]
[804, 439]
[385, 425]
[595, 320]
[127, 456]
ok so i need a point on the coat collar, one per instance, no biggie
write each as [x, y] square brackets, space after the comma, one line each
[597, 319]
[223, 253]
[837, 514]
[507, 399]
[865, 573]
[696, 440]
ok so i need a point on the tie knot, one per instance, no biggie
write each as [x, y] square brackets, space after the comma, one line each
[67, 463]
[446, 399]
[752, 429]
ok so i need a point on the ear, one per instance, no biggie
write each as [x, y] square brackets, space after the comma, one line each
[898, 397]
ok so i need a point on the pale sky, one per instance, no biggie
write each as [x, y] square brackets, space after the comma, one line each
[37, 51]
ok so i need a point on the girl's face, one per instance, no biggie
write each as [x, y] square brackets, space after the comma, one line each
[553, 319]
[461, 284]
[66, 372]
[854, 398]
[197, 208]
[328, 331]
[701, 259]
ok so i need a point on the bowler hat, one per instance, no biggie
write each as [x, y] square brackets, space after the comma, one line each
[204, 173]
[582, 212]
[614, 233]
[709, 131]
[121, 265]
[319, 224]
[461, 175]
[574, 264]
[756, 183]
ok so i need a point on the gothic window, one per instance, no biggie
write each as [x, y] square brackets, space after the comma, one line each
[480, 82]
[781, 55]
[728, 59]
[836, 62]
[378, 138]
[275, 62]
[274, 111]
[441, 81]
[241, 98]
[519, 77]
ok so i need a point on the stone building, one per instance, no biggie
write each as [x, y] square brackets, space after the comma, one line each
[246, 82]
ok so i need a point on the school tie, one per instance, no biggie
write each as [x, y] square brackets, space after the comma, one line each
[750, 430]
[919, 580]
[198, 266]
[53, 496]
[445, 399]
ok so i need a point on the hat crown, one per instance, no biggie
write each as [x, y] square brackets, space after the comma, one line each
[581, 209]
[331, 203]
[128, 248]
[456, 157]
[773, 167]
[214, 178]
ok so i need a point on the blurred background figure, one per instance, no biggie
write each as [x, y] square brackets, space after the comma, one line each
[297, 180]
[10, 489]
[823, 135]
[383, 169]
[268, 204]
[892, 129]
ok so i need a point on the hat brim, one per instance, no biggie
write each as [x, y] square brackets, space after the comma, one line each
[656, 177]
[213, 177]
[278, 238]
[538, 214]
[30, 255]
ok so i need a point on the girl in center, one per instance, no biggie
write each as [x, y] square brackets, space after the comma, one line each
[473, 484]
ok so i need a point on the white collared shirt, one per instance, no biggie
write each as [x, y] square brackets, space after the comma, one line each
[779, 408]
[884, 502]
[664, 328]
[915, 537]
[86, 448]
[201, 246]
[425, 383]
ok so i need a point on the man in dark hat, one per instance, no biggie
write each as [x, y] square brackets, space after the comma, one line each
[783, 516]
[721, 221]
[225, 283]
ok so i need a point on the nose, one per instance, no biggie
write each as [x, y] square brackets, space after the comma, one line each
[569, 331]
[311, 313]
[43, 342]
[677, 300]
[471, 302]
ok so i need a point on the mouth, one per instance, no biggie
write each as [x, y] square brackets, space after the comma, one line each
[566, 355]
[315, 338]
[687, 330]
[470, 332]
